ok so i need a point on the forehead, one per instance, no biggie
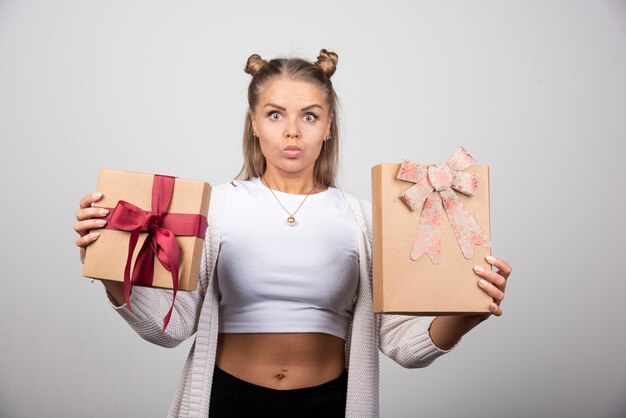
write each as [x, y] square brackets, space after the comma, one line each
[288, 93]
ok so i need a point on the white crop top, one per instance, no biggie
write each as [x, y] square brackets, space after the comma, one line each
[273, 277]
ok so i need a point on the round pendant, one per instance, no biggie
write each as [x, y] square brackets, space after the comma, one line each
[291, 221]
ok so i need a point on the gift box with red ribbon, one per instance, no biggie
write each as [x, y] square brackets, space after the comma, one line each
[155, 231]
[431, 227]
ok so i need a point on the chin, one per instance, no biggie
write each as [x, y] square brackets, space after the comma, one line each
[294, 166]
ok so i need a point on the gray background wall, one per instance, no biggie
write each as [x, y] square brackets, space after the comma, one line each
[536, 89]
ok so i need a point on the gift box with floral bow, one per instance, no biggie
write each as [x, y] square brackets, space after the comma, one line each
[430, 227]
[154, 234]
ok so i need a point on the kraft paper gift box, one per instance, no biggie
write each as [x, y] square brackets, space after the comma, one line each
[414, 271]
[171, 212]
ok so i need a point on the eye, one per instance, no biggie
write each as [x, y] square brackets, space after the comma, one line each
[274, 115]
[310, 117]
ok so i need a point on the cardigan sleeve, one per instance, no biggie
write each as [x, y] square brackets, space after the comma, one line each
[406, 340]
[403, 338]
[150, 305]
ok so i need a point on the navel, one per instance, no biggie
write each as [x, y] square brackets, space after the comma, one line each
[282, 374]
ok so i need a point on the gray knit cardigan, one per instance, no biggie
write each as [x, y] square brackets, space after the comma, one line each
[405, 339]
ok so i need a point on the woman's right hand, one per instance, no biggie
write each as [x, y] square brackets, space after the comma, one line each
[89, 218]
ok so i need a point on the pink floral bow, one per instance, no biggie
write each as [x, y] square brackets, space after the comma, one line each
[433, 188]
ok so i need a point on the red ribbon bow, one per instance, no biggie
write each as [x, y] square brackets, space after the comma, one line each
[161, 239]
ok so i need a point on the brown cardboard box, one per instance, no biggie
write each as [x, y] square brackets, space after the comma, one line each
[402, 285]
[105, 259]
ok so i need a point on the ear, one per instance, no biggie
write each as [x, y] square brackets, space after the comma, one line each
[330, 122]
[253, 120]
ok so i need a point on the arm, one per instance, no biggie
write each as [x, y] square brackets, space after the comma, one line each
[149, 305]
[406, 340]
[446, 331]
[417, 341]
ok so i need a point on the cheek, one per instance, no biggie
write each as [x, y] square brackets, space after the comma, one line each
[315, 151]
[264, 145]
[269, 129]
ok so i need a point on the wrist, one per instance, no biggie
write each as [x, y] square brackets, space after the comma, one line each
[446, 331]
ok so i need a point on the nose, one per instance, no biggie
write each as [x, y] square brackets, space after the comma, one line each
[291, 130]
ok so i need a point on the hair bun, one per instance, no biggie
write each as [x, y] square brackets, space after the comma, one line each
[254, 64]
[327, 61]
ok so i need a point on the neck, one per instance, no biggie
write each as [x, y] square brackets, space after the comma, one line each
[292, 183]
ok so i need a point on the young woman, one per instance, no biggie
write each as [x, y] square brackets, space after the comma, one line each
[283, 313]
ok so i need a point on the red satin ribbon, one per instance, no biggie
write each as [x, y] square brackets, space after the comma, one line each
[162, 229]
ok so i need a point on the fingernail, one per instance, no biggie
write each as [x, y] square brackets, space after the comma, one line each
[482, 282]
[478, 269]
[104, 212]
[494, 307]
[491, 259]
[96, 195]
[101, 222]
[94, 235]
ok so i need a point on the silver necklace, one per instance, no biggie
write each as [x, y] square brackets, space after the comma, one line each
[291, 220]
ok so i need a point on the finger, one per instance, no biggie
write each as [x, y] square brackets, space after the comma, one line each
[87, 213]
[496, 294]
[83, 227]
[503, 267]
[494, 277]
[495, 309]
[87, 239]
[86, 201]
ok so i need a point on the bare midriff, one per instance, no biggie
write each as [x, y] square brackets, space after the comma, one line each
[281, 361]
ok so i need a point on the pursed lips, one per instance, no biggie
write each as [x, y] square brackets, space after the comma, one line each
[292, 151]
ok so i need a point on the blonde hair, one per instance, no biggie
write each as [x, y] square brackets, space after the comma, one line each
[297, 69]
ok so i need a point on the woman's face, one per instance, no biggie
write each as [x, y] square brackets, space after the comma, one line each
[291, 120]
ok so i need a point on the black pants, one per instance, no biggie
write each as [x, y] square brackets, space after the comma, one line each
[233, 397]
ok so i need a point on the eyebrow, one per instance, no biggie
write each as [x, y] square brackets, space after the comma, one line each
[303, 109]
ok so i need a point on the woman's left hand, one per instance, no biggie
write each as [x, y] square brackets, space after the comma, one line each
[494, 282]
